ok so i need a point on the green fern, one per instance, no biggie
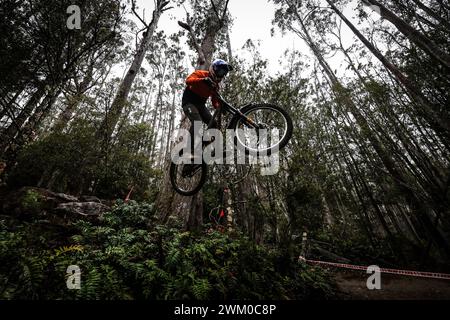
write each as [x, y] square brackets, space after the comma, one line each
[90, 284]
[201, 289]
[138, 259]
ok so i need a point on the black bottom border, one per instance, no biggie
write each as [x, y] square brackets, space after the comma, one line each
[175, 310]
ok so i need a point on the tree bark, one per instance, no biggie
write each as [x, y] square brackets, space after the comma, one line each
[16, 125]
[171, 203]
[74, 101]
[412, 34]
[109, 123]
[343, 98]
[426, 108]
[433, 14]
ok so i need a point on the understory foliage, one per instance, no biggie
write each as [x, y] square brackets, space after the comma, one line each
[127, 255]
[78, 163]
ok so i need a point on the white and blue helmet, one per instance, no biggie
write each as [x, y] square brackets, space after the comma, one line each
[219, 68]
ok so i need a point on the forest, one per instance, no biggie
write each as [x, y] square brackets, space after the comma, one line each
[90, 98]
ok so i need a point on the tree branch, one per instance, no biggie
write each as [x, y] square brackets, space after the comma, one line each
[193, 38]
[215, 9]
[221, 19]
[224, 11]
[133, 8]
[162, 6]
[185, 26]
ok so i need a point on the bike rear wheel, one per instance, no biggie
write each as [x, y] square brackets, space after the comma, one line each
[265, 118]
[191, 183]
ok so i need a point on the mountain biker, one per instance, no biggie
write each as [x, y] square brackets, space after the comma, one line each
[201, 85]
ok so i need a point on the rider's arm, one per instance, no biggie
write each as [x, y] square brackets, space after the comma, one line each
[215, 101]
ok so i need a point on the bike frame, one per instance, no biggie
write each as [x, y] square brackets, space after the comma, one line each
[225, 106]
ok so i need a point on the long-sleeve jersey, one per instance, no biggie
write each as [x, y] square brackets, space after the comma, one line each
[198, 91]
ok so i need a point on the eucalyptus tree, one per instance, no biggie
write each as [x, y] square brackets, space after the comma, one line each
[205, 25]
[109, 123]
[50, 53]
[369, 136]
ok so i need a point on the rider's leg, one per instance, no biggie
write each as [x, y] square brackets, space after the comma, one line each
[207, 116]
[197, 113]
[193, 114]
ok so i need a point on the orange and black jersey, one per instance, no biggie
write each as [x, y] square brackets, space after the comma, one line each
[198, 91]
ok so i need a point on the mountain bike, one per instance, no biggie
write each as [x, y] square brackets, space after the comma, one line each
[248, 123]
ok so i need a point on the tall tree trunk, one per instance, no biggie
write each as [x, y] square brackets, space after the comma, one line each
[433, 14]
[109, 123]
[171, 124]
[343, 98]
[74, 101]
[426, 108]
[412, 34]
[7, 103]
[41, 112]
[9, 134]
[431, 172]
[229, 49]
[168, 202]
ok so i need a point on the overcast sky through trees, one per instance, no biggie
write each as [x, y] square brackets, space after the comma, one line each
[252, 20]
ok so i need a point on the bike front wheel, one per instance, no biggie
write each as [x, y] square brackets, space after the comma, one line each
[263, 129]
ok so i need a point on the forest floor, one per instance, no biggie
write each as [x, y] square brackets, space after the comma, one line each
[352, 286]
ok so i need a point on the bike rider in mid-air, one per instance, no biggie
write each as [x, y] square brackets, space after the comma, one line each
[200, 86]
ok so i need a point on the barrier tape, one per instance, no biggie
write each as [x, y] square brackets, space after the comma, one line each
[421, 274]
